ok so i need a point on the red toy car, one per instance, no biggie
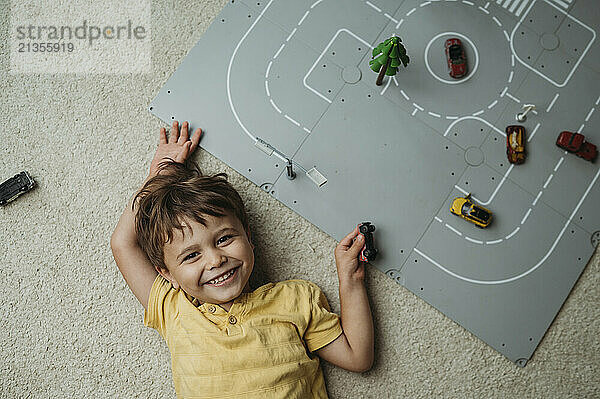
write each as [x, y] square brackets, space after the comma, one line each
[575, 143]
[455, 55]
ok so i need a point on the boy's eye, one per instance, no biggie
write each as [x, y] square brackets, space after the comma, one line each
[189, 256]
[224, 238]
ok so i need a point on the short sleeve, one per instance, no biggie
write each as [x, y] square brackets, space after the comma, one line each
[160, 303]
[324, 326]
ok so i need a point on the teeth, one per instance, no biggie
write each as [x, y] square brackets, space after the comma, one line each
[222, 278]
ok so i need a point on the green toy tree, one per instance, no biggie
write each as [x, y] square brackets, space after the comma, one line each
[392, 54]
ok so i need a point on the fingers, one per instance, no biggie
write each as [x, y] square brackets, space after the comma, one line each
[184, 154]
[162, 137]
[184, 133]
[174, 136]
[196, 139]
[348, 240]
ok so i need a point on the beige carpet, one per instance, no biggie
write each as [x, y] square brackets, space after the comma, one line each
[71, 328]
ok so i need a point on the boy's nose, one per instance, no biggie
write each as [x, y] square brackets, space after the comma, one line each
[215, 259]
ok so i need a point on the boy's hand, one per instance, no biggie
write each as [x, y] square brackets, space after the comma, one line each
[178, 147]
[349, 267]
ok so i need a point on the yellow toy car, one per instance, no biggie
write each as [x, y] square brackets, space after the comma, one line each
[466, 209]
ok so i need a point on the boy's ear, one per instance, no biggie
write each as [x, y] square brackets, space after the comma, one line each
[167, 274]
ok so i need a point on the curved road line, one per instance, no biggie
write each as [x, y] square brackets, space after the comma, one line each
[531, 270]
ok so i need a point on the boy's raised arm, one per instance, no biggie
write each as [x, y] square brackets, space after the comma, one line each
[138, 272]
[354, 349]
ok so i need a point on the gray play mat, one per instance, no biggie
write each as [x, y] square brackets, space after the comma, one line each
[276, 80]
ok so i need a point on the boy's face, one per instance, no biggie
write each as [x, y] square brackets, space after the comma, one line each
[212, 263]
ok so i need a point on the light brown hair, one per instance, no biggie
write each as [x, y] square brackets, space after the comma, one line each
[180, 190]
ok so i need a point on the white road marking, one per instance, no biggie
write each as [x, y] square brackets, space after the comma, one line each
[512, 60]
[478, 113]
[394, 78]
[587, 118]
[275, 106]
[492, 104]
[451, 117]
[438, 219]
[453, 229]
[533, 133]
[530, 270]
[512, 48]
[468, 2]
[414, 112]
[580, 128]
[513, 233]
[390, 17]
[526, 216]
[306, 130]
[497, 21]
[537, 198]
[494, 242]
[425, 4]
[510, 77]
[506, 35]
[410, 12]
[520, 10]
[268, 69]
[486, 5]
[472, 240]
[418, 106]
[472, 117]
[321, 56]
[561, 3]
[306, 13]
[513, 97]
[293, 121]
[373, 5]
[513, 5]
[279, 51]
[558, 164]
[504, 91]
[291, 34]
[484, 10]
[386, 87]
[598, 101]
[548, 181]
[404, 94]
[316, 3]
[399, 23]
[552, 102]
[434, 114]
[267, 88]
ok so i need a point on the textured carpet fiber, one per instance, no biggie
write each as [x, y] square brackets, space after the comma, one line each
[72, 329]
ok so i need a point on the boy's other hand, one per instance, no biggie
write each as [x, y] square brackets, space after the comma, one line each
[178, 147]
[349, 267]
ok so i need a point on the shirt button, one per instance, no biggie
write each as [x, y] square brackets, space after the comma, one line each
[212, 309]
[232, 320]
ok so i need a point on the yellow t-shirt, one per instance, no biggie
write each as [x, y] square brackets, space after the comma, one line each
[261, 348]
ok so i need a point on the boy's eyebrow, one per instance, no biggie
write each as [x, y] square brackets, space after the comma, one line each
[194, 245]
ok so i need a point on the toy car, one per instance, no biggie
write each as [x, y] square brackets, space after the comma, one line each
[575, 143]
[15, 186]
[466, 209]
[369, 252]
[455, 55]
[515, 144]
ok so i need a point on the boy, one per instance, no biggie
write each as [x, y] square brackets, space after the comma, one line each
[225, 339]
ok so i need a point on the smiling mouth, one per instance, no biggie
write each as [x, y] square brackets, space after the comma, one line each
[223, 279]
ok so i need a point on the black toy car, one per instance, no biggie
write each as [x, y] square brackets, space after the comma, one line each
[369, 252]
[15, 186]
